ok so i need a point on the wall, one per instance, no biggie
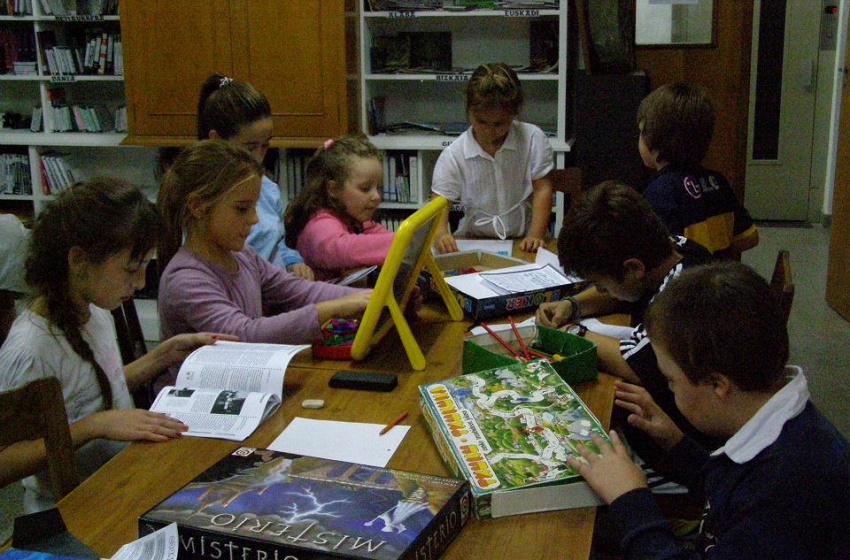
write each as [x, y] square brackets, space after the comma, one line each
[723, 70]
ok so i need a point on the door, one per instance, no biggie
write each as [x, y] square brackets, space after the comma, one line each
[782, 108]
[837, 276]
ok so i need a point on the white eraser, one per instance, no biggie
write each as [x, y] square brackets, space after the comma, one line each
[312, 403]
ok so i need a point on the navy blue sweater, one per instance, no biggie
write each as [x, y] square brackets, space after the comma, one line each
[791, 501]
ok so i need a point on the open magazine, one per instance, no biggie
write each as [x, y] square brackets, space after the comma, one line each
[227, 389]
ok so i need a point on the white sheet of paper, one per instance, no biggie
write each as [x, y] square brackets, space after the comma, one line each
[354, 442]
[502, 247]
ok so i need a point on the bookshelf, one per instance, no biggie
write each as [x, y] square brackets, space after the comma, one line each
[415, 63]
[62, 93]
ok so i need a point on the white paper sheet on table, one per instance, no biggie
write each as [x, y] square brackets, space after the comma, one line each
[354, 442]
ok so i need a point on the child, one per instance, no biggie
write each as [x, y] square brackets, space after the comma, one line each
[214, 281]
[497, 170]
[614, 240]
[780, 486]
[235, 111]
[332, 221]
[676, 123]
[88, 252]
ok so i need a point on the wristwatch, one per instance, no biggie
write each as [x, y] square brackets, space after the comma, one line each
[577, 329]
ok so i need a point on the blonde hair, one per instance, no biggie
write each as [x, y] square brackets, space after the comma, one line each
[494, 86]
[331, 162]
[208, 170]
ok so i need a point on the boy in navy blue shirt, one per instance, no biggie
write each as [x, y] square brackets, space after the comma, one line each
[780, 486]
[676, 123]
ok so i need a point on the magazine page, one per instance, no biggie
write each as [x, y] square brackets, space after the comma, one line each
[525, 279]
[216, 413]
[159, 545]
[238, 366]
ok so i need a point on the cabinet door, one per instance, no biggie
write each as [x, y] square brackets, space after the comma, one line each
[294, 52]
[169, 50]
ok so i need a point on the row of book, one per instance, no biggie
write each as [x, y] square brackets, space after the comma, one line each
[401, 178]
[80, 118]
[57, 172]
[79, 7]
[15, 174]
[16, 8]
[17, 50]
[381, 5]
[97, 52]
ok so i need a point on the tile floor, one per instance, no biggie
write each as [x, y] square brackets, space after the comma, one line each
[820, 338]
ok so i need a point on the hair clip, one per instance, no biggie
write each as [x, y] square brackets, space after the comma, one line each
[328, 143]
[224, 81]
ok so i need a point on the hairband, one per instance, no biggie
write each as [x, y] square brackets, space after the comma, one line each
[328, 143]
[224, 81]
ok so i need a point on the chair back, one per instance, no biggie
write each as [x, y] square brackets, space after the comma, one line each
[782, 283]
[568, 181]
[131, 342]
[37, 411]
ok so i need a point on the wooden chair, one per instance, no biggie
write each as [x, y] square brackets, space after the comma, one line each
[37, 411]
[782, 283]
[568, 181]
[131, 342]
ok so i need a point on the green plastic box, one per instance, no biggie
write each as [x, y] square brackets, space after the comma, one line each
[578, 365]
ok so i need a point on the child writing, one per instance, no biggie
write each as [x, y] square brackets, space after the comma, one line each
[780, 486]
[497, 170]
[88, 251]
[212, 279]
[237, 112]
[332, 221]
[676, 122]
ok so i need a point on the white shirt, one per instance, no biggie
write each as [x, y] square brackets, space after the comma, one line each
[495, 191]
[13, 251]
[764, 427]
[34, 350]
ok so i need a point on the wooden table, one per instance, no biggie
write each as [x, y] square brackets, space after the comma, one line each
[103, 510]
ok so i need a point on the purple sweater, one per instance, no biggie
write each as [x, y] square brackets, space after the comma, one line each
[258, 303]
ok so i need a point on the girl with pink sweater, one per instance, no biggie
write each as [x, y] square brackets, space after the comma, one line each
[331, 223]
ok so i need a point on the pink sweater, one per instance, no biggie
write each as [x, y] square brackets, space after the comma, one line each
[330, 248]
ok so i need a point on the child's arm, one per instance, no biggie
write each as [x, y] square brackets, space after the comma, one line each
[610, 358]
[443, 240]
[541, 214]
[646, 415]
[327, 244]
[590, 302]
[611, 472]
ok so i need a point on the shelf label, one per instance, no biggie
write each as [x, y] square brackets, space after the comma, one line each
[98, 17]
[63, 79]
[402, 14]
[446, 143]
[452, 77]
[522, 13]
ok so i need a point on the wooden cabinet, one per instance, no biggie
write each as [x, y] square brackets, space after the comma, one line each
[291, 50]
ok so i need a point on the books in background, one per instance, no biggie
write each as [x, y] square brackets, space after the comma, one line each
[509, 432]
[79, 7]
[62, 116]
[86, 51]
[16, 8]
[17, 51]
[15, 174]
[292, 171]
[57, 173]
[401, 177]
[269, 504]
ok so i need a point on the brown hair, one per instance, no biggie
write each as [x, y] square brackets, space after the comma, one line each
[102, 216]
[722, 318]
[330, 163]
[226, 105]
[611, 224]
[677, 120]
[494, 86]
[207, 169]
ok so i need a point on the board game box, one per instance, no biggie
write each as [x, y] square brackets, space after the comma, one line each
[509, 432]
[273, 505]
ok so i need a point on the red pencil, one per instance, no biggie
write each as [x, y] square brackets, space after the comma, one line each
[519, 339]
[500, 340]
[392, 424]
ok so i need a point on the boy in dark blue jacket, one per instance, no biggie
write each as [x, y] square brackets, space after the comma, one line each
[780, 486]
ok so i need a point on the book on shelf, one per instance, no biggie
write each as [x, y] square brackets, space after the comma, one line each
[227, 389]
[269, 504]
[15, 174]
[509, 431]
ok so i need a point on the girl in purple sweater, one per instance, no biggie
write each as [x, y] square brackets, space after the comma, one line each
[208, 203]
[331, 223]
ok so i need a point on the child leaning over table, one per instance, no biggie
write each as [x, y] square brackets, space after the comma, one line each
[780, 486]
[497, 170]
[676, 122]
[332, 221]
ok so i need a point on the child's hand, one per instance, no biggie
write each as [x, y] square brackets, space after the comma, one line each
[530, 244]
[177, 348]
[352, 305]
[554, 314]
[612, 473]
[133, 425]
[647, 415]
[445, 243]
[302, 270]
